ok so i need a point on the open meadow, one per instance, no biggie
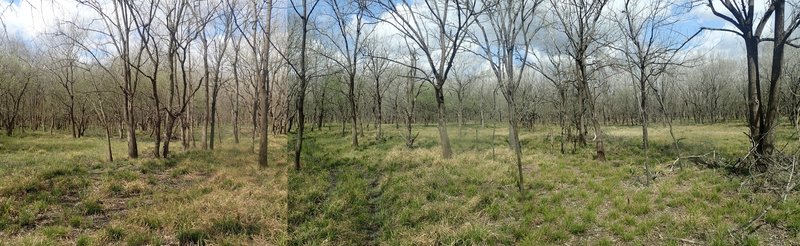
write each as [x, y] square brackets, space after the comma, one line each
[383, 193]
[399, 122]
[55, 190]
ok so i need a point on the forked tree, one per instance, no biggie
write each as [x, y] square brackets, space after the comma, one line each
[506, 45]
[761, 116]
[438, 28]
[580, 23]
[651, 45]
[347, 36]
[117, 29]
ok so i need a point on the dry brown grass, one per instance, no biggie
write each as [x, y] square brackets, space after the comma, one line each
[217, 197]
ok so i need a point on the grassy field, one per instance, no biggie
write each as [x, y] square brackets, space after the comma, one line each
[55, 190]
[382, 193]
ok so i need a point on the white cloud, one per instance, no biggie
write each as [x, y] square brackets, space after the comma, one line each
[29, 19]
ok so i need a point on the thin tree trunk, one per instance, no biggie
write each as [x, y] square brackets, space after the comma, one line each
[351, 99]
[447, 152]
[207, 80]
[263, 159]
[238, 94]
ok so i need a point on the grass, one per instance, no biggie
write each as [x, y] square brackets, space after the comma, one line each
[55, 190]
[383, 193]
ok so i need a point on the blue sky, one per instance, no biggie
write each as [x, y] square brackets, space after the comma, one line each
[35, 17]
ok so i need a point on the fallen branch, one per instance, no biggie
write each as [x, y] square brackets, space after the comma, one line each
[789, 185]
[750, 223]
[687, 157]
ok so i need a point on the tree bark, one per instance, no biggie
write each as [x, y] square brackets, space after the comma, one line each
[447, 152]
[263, 159]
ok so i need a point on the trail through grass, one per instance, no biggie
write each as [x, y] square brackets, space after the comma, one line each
[382, 193]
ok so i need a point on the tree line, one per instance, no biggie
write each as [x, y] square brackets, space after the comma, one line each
[173, 69]
[168, 70]
[579, 64]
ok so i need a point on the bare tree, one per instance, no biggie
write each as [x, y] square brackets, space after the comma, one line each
[117, 26]
[143, 17]
[513, 26]
[300, 69]
[761, 117]
[16, 77]
[555, 70]
[202, 17]
[651, 46]
[180, 34]
[463, 80]
[412, 91]
[225, 28]
[378, 67]
[264, 83]
[578, 21]
[98, 105]
[438, 28]
[347, 41]
[64, 67]
[237, 47]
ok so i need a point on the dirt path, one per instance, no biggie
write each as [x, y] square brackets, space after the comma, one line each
[373, 198]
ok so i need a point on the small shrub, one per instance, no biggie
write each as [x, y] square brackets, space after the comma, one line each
[153, 223]
[83, 240]
[139, 240]
[75, 221]
[576, 227]
[26, 218]
[52, 173]
[135, 188]
[115, 188]
[55, 232]
[91, 207]
[115, 233]
[151, 166]
[192, 236]
[231, 226]
[179, 172]
[170, 163]
[125, 175]
[228, 184]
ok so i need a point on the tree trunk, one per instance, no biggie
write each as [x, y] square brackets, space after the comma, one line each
[213, 116]
[71, 112]
[579, 117]
[643, 110]
[447, 152]
[254, 118]
[263, 160]
[207, 79]
[321, 112]
[378, 111]
[302, 93]
[460, 98]
[133, 150]
[513, 138]
[157, 123]
[767, 143]
[236, 100]
[351, 99]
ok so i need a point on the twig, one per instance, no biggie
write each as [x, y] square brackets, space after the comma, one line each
[687, 157]
[789, 186]
[750, 223]
[683, 240]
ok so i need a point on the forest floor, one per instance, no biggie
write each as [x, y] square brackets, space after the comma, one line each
[382, 193]
[56, 190]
